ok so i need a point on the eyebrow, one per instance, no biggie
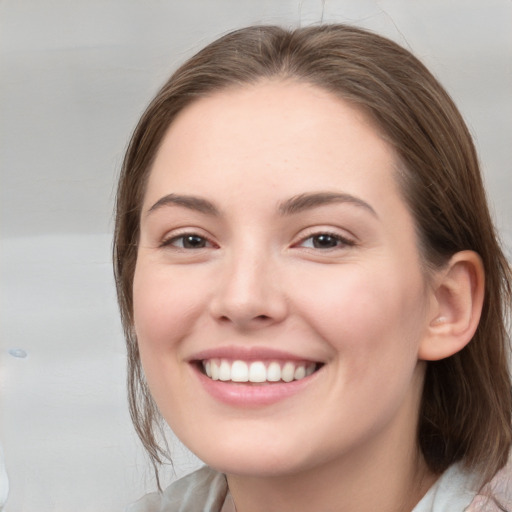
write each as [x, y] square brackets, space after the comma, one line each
[303, 202]
[291, 206]
[191, 202]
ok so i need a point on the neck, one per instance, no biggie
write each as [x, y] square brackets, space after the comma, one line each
[351, 485]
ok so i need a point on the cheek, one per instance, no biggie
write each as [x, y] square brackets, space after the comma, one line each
[165, 307]
[373, 323]
[366, 312]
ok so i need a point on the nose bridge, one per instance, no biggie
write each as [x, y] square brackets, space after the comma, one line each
[249, 292]
[249, 267]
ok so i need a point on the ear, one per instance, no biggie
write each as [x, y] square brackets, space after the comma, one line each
[458, 295]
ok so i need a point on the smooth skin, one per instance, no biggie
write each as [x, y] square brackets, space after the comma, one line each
[335, 281]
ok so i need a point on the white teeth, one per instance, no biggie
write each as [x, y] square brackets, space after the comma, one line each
[239, 372]
[208, 368]
[224, 371]
[300, 372]
[274, 372]
[288, 372]
[214, 368]
[256, 371]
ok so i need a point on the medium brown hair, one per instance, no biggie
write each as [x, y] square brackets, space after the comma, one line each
[466, 407]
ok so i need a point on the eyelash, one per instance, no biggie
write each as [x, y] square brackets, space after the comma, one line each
[339, 241]
[170, 241]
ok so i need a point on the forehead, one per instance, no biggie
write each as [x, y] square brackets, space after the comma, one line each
[267, 134]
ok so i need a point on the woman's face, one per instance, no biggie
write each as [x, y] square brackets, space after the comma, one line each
[279, 301]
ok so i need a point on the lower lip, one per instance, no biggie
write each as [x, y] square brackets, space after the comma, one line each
[252, 395]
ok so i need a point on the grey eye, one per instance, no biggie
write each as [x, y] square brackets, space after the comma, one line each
[324, 241]
[187, 241]
[191, 242]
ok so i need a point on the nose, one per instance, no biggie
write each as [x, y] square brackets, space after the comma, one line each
[249, 295]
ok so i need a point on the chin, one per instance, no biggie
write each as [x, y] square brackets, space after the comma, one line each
[255, 461]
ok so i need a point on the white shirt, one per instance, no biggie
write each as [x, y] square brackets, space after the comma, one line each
[206, 490]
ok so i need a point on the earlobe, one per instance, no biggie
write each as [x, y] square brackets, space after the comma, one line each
[458, 298]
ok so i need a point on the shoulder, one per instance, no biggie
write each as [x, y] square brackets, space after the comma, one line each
[457, 491]
[453, 492]
[496, 496]
[203, 490]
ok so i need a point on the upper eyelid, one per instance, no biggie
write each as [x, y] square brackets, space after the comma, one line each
[315, 231]
[345, 241]
[168, 238]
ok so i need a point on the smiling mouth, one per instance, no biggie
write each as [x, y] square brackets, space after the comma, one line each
[257, 372]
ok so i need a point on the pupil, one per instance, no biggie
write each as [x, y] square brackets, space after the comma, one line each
[193, 242]
[324, 241]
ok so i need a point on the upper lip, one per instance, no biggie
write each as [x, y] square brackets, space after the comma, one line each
[249, 354]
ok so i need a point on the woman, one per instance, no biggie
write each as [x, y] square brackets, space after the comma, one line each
[313, 295]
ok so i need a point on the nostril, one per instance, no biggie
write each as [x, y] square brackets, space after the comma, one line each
[259, 320]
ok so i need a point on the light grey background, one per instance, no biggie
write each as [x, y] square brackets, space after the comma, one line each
[74, 77]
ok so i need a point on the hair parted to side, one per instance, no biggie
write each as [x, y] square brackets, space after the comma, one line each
[466, 407]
